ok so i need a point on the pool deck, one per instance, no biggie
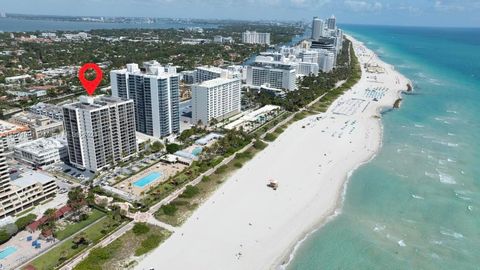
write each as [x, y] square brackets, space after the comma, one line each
[25, 250]
[166, 170]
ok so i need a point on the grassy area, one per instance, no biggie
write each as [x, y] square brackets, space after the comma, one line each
[270, 137]
[24, 212]
[75, 227]
[181, 208]
[66, 250]
[119, 254]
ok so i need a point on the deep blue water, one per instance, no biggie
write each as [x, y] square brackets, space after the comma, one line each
[417, 204]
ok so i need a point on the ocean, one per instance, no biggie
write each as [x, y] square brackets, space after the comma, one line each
[416, 205]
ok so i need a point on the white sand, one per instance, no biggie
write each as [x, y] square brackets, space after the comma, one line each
[246, 225]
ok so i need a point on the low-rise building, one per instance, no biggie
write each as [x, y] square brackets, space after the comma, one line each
[49, 110]
[13, 134]
[29, 189]
[18, 79]
[41, 152]
[40, 125]
[28, 93]
[221, 39]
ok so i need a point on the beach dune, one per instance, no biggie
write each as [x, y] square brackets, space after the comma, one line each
[245, 224]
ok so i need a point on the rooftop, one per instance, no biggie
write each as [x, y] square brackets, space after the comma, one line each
[217, 82]
[30, 178]
[7, 128]
[212, 69]
[93, 103]
[41, 145]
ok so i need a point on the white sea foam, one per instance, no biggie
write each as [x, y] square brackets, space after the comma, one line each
[417, 197]
[435, 256]
[451, 233]
[419, 126]
[449, 144]
[451, 111]
[431, 175]
[379, 227]
[401, 243]
[446, 179]
[462, 196]
[437, 242]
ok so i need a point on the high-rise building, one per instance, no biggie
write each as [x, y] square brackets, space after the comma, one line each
[256, 38]
[215, 99]
[205, 73]
[100, 131]
[317, 28]
[332, 23]
[326, 60]
[30, 189]
[155, 92]
[276, 74]
[307, 68]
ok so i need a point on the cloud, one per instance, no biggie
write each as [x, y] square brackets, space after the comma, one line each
[442, 6]
[363, 6]
[309, 3]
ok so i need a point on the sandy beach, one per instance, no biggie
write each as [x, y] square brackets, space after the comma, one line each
[245, 224]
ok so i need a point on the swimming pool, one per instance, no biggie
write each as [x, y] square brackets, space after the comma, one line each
[146, 180]
[7, 252]
[197, 151]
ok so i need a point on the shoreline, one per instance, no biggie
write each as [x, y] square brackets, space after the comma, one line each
[284, 261]
[245, 225]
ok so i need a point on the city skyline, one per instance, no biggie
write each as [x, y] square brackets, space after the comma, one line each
[382, 12]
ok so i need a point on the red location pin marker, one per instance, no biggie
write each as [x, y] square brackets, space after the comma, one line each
[90, 86]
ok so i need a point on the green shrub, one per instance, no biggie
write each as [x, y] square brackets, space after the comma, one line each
[150, 243]
[169, 209]
[238, 164]
[4, 236]
[270, 137]
[172, 148]
[258, 144]
[190, 191]
[221, 169]
[140, 228]
[25, 221]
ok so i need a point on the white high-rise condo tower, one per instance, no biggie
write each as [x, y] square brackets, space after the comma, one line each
[215, 99]
[100, 131]
[332, 23]
[155, 92]
[256, 38]
[317, 28]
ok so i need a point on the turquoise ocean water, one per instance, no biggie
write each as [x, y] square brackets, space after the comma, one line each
[417, 204]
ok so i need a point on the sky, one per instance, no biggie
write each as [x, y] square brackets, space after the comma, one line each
[383, 12]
